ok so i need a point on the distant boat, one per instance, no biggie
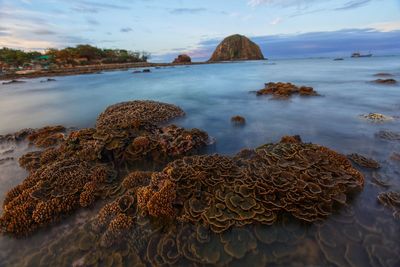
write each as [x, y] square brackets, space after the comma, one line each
[338, 58]
[358, 54]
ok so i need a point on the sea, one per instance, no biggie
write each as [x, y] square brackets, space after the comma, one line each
[361, 233]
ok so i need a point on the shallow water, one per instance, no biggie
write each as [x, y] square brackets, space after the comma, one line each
[361, 234]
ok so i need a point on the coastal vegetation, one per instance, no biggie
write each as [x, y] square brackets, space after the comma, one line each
[70, 56]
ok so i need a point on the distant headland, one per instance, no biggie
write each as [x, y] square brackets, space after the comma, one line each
[237, 47]
[84, 59]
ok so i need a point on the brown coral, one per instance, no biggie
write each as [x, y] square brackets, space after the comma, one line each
[123, 115]
[364, 161]
[285, 90]
[392, 201]
[47, 136]
[275, 179]
[47, 194]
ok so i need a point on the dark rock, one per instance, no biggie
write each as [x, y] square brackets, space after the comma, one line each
[146, 70]
[182, 59]
[238, 120]
[385, 81]
[237, 47]
[383, 74]
[13, 81]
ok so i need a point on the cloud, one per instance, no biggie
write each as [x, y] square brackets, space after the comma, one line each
[313, 44]
[353, 5]
[386, 26]
[276, 21]
[127, 29]
[84, 6]
[44, 32]
[283, 3]
[92, 21]
[183, 11]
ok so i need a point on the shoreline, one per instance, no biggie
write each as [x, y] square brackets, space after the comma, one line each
[90, 69]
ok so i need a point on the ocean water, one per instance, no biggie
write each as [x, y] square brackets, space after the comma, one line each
[361, 234]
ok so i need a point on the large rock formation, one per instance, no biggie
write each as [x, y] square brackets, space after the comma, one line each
[182, 59]
[237, 47]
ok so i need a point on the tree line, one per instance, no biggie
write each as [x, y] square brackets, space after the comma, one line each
[78, 55]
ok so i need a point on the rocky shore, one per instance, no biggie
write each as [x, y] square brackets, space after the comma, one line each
[90, 69]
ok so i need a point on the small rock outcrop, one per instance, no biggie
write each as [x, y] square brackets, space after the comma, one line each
[182, 59]
[237, 47]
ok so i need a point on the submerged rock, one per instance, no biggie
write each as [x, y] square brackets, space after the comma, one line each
[285, 90]
[385, 81]
[392, 201]
[383, 74]
[237, 47]
[388, 135]
[238, 120]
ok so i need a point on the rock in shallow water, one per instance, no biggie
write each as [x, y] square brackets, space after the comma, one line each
[286, 90]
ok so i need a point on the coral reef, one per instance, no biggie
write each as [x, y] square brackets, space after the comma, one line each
[49, 193]
[376, 117]
[254, 187]
[78, 169]
[238, 120]
[364, 161]
[392, 201]
[124, 115]
[47, 136]
[291, 139]
[43, 137]
[285, 90]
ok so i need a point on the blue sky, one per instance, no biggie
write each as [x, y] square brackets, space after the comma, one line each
[283, 28]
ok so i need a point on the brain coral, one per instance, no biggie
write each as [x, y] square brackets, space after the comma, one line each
[304, 180]
[124, 114]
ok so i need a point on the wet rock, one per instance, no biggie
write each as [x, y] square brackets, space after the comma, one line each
[286, 90]
[146, 71]
[377, 117]
[13, 81]
[48, 80]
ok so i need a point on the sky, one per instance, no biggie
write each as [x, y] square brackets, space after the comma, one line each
[283, 28]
